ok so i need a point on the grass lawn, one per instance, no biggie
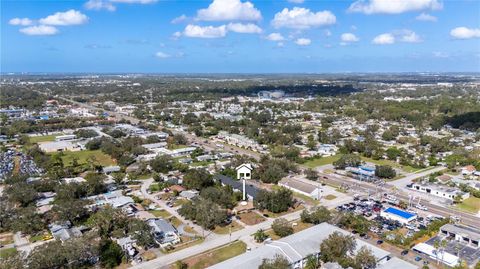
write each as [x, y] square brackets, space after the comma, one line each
[300, 226]
[7, 252]
[6, 239]
[322, 161]
[471, 204]
[83, 155]
[179, 202]
[251, 218]
[187, 243]
[276, 215]
[35, 238]
[42, 138]
[215, 256]
[234, 226]
[160, 213]
[405, 168]
[174, 146]
[330, 197]
[202, 163]
[149, 255]
[175, 221]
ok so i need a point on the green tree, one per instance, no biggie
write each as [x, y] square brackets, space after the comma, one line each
[260, 236]
[197, 179]
[365, 259]
[282, 227]
[311, 174]
[347, 160]
[316, 215]
[312, 262]
[278, 262]
[111, 253]
[338, 248]
[385, 171]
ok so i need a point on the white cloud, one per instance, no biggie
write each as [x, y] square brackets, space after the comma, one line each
[39, 30]
[162, 55]
[248, 28]
[205, 31]
[349, 37]
[229, 10]
[135, 1]
[179, 19]
[302, 18]
[20, 21]
[275, 37]
[426, 17]
[384, 39]
[70, 17]
[393, 6]
[404, 35]
[303, 41]
[465, 33]
[439, 54]
[296, 1]
[409, 36]
[99, 5]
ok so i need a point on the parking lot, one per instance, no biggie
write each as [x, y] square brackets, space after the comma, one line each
[14, 162]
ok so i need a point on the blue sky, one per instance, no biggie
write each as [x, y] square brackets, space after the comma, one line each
[238, 36]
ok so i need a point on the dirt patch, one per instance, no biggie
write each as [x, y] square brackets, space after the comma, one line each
[251, 218]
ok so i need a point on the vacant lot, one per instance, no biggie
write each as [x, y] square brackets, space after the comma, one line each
[251, 218]
[405, 168]
[234, 226]
[296, 225]
[160, 213]
[42, 138]
[215, 256]
[84, 155]
[471, 204]
[322, 161]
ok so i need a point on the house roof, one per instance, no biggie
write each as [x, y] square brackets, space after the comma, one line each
[237, 185]
[246, 165]
[161, 226]
[297, 246]
[298, 185]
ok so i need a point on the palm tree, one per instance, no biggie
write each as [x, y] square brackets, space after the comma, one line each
[312, 262]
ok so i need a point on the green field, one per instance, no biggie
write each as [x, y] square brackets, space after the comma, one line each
[322, 161]
[471, 205]
[42, 138]
[405, 168]
[83, 155]
[216, 256]
[7, 252]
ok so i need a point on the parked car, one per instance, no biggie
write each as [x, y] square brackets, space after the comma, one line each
[418, 258]
[379, 242]
[405, 252]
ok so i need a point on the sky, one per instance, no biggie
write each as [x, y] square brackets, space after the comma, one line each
[238, 36]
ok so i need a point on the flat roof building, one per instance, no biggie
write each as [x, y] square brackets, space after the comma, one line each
[399, 215]
[295, 248]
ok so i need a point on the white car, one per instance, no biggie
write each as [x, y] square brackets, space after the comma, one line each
[421, 207]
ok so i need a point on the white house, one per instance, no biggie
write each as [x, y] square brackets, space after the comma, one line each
[244, 171]
[304, 188]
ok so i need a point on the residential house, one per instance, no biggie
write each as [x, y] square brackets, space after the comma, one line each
[164, 232]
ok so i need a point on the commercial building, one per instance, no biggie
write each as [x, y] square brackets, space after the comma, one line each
[439, 190]
[239, 140]
[460, 233]
[297, 247]
[401, 216]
